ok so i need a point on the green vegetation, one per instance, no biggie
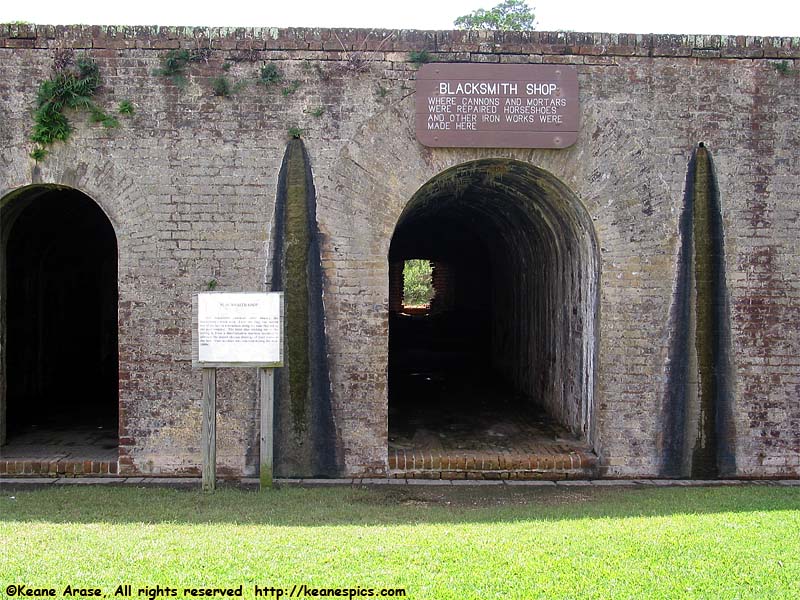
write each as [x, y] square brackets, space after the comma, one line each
[175, 62]
[211, 285]
[291, 88]
[38, 154]
[221, 86]
[295, 132]
[99, 116]
[510, 15]
[125, 108]
[71, 87]
[417, 282]
[783, 67]
[419, 57]
[317, 112]
[270, 75]
[436, 542]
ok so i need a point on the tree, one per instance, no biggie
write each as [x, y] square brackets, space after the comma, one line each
[417, 282]
[510, 15]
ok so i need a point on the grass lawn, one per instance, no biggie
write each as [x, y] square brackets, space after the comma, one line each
[435, 542]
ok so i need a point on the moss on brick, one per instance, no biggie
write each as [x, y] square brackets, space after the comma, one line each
[296, 285]
[705, 250]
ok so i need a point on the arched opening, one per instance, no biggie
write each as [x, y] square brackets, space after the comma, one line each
[59, 254]
[503, 358]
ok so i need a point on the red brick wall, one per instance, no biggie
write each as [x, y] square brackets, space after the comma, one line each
[189, 184]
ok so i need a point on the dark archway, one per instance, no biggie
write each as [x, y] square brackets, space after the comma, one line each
[60, 315]
[512, 324]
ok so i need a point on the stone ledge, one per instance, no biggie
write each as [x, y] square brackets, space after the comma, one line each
[186, 482]
[371, 40]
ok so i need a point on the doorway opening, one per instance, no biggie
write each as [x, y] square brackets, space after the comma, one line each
[496, 374]
[418, 289]
[61, 400]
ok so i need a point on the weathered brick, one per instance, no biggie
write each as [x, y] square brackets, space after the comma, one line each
[189, 183]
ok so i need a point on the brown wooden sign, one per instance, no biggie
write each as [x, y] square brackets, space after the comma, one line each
[497, 106]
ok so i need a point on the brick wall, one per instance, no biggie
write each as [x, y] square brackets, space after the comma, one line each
[189, 183]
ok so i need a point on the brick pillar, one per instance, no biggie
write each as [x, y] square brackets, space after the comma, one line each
[442, 280]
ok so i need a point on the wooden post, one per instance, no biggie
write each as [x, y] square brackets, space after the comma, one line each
[209, 430]
[267, 389]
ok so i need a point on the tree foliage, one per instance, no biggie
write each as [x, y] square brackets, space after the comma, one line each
[510, 15]
[417, 282]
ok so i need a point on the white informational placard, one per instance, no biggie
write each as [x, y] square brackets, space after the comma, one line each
[239, 329]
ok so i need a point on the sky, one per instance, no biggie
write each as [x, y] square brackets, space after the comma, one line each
[726, 17]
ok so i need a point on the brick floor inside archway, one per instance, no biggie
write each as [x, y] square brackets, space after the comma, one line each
[465, 428]
[61, 451]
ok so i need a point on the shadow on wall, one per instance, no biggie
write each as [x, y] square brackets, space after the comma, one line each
[699, 435]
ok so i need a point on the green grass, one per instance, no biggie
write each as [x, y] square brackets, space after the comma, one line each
[459, 543]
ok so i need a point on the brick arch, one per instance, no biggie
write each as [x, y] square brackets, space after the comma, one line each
[539, 245]
[104, 181]
[127, 209]
[361, 200]
[59, 313]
